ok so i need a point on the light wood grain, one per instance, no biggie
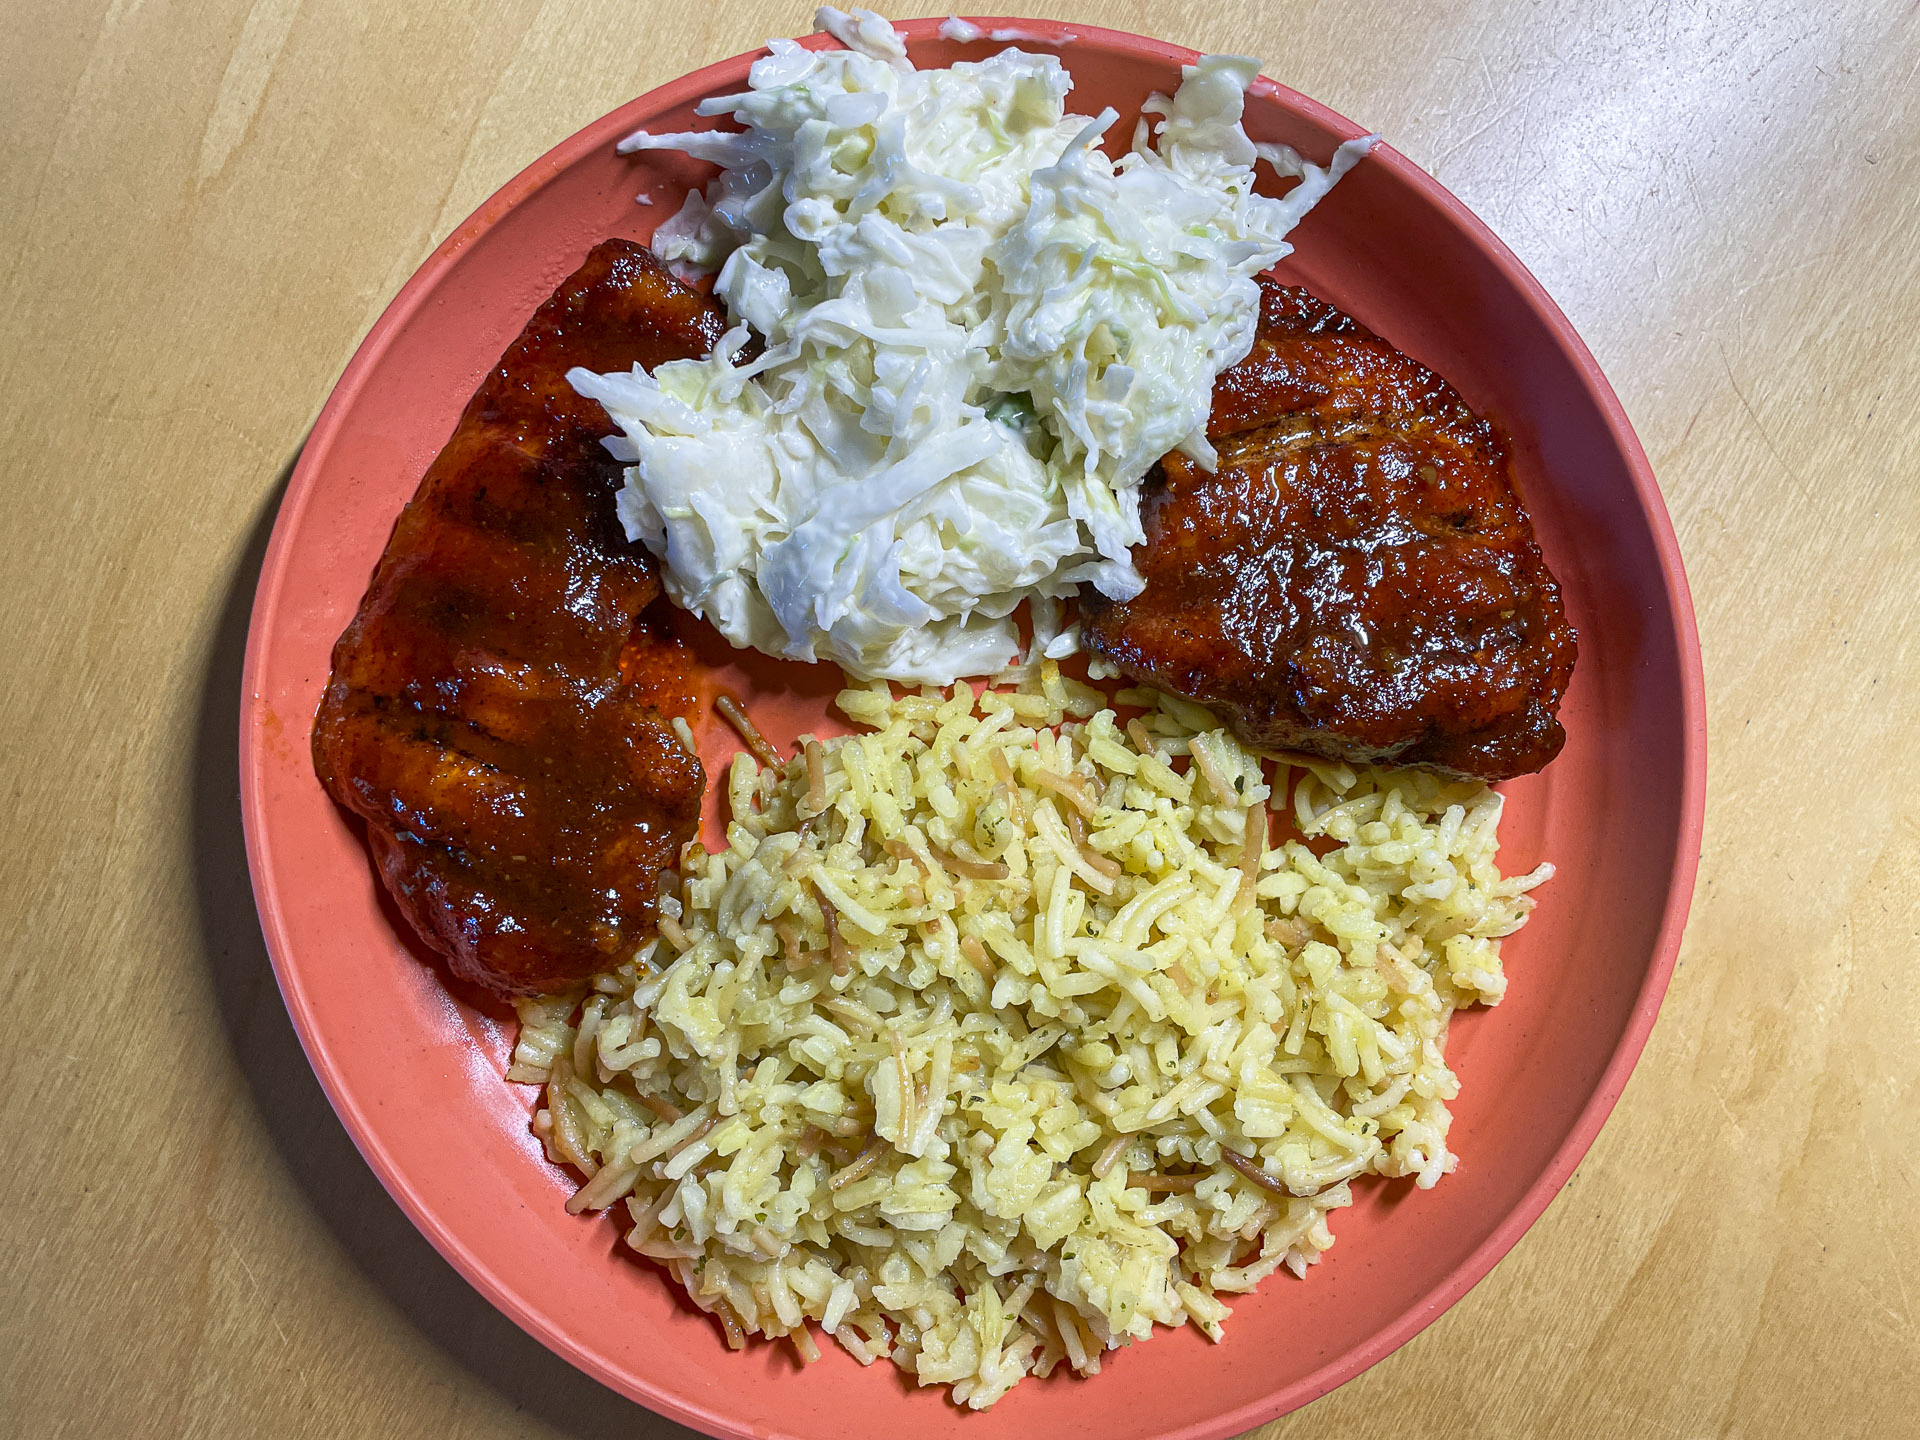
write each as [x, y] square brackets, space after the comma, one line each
[202, 210]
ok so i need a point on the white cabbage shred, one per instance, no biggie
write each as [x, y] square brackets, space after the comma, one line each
[980, 333]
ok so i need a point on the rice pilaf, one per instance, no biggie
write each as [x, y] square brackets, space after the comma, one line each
[1006, 1031]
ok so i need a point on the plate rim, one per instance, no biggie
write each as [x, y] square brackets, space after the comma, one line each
[1424, 1309]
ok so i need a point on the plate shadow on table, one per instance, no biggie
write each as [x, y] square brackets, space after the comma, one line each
[315, 1148]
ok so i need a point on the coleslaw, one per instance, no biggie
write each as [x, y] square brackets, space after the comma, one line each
[980, 332]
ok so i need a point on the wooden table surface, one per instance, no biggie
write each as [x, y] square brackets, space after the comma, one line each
[204, 207]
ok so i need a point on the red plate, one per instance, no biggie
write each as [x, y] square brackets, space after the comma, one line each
[415, 1072]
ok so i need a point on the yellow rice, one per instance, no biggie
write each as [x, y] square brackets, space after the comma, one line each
[1002, 1033]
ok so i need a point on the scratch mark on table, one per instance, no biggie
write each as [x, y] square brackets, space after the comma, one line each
[1754, 415]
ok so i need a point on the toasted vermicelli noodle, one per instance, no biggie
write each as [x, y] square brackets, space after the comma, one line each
[1005, 1031]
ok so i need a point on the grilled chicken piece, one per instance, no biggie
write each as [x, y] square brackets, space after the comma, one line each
[1358, 579]
[497, 709]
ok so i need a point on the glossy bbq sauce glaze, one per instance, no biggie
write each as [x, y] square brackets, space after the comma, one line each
[499, 709]
[1358, 577]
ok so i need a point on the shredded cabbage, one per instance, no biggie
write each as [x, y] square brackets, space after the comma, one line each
[980, 333]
